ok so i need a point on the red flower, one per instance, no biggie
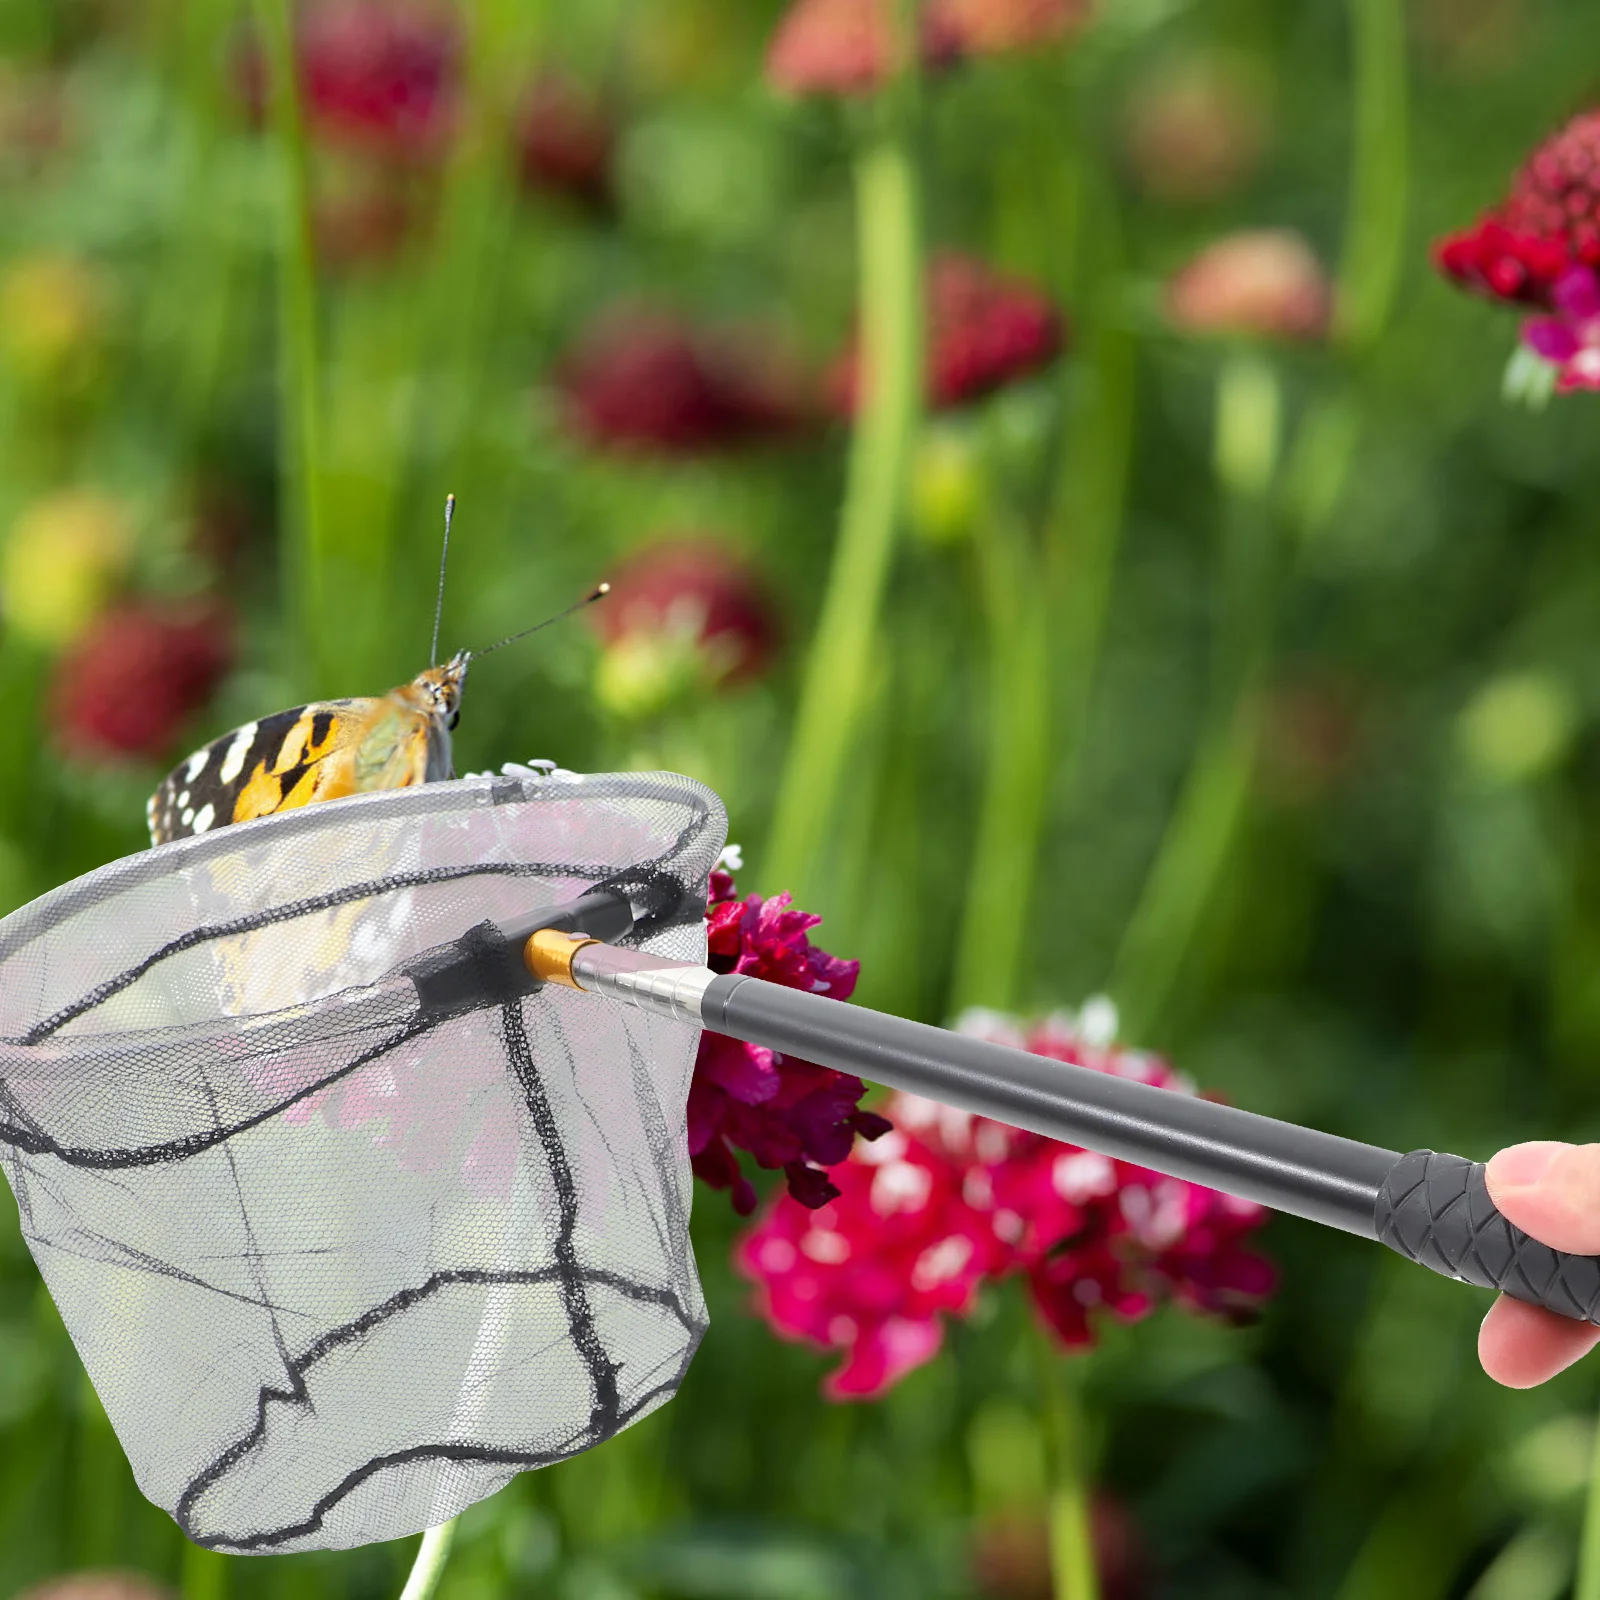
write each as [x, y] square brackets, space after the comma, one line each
[130, 683]
[786, 1113]
[565, 143]
[380, 89]
[1550, 221]
[649, 384]
[378, 74]
[966, 1198]
[984, 331]
[697, 593]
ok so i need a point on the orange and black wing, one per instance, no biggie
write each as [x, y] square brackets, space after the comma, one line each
[282, 761]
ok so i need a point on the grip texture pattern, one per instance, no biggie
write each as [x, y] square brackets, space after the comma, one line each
[1435, 1209]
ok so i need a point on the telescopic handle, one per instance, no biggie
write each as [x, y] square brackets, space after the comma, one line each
[1433, 1209]
[1289, 1168]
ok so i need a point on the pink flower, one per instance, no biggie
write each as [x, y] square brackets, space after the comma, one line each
[1264, 282]
[1569, 338]
[648, 384]
[130, 682]
[1521, 250]
[1195, 128]
[974, 1200]
[872, 1273]
[997, 27]
[843, 47]
[786, 1113]
[983, 332]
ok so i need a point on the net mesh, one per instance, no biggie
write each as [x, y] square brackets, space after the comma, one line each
[339, 1269]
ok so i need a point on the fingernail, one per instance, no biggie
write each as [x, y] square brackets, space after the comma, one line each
[1519, 1166]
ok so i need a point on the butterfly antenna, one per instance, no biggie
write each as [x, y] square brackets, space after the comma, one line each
[598, 593]
[444, 560]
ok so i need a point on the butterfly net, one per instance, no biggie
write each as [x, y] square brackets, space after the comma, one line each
[340, 1265]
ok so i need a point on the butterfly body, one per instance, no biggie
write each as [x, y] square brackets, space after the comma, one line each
[321, 751]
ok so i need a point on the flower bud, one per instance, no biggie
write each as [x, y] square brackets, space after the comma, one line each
[947, 484]
[682, 616]
[1194, 129]
[1518, 727]
[61, 561]
[54, 313]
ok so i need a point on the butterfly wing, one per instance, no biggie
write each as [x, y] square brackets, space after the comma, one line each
[285, 760]
[321, 751]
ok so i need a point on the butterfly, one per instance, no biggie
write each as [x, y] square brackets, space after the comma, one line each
[329, 748]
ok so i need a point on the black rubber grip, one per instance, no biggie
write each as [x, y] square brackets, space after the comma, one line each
[1435, 1209]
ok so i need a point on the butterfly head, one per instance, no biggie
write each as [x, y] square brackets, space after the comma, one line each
[441, 687]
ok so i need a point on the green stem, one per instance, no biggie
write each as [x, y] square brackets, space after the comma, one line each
[99, 1483]
[299, 364]
[204, 1573]
[1047, 614]
[1074, 1574]
[1194, 852]
[1588, 1585]
[999, 890]
[1375, 228]
[1084, 532]
[428, 1568]
[834, 694]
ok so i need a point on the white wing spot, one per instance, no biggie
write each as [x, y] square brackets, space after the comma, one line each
[233, 761]
[197, 765]
[203, 818]
[183, 799]
[186, 818]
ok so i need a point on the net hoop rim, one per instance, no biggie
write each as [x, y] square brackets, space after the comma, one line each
[446, 797]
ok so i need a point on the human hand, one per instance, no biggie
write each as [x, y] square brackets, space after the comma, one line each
[1552, 1192]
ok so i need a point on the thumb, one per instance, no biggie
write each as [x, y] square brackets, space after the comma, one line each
[1551, 1191]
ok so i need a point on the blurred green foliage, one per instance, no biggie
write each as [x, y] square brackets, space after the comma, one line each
[1376, 909]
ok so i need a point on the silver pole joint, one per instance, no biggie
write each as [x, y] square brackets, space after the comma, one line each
[672, 989]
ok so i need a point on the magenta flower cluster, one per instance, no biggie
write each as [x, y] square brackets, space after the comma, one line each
[785, 1113]
[947, 1202]
[1539, 250]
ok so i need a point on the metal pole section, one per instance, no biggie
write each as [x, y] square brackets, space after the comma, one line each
[1299, 1170]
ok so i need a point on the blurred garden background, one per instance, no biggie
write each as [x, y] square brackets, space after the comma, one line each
[1058, 492]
